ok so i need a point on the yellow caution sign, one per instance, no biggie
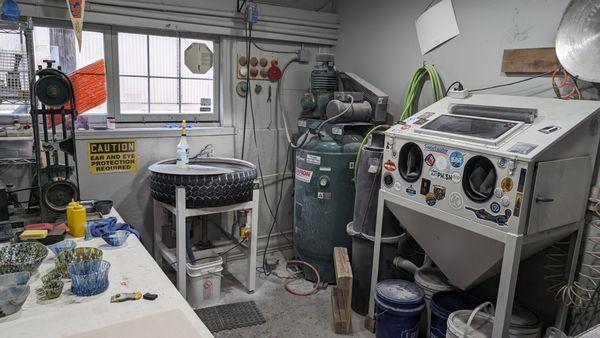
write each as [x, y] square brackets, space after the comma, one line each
[111, 156]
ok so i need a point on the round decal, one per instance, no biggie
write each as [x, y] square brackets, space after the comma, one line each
[430, 160]
[390, 165]
[441, 163]
[388, 180]
[405, 127]
[455, 200]
[398, 186]
[495, 207]
[507, 184]
[430, 199]
[410, 191]
[502, 163]
[456, 177]
[457, 159]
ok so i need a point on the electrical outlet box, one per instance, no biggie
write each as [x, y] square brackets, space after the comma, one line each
[303, 55]
[458, 94]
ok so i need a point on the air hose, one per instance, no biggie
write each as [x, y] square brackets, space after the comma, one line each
[415, 86]
[362, 144]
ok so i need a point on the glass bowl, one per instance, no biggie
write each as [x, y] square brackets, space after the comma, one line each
[12, 298]
[15, 278]
[61, 246]
[52, 289]
[89, 278]
[117, 238]
[53, 275]
[79, 255]
[24, 256]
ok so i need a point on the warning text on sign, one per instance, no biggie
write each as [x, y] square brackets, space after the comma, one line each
[112, 156]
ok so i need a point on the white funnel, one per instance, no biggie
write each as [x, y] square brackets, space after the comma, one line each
[465, 257]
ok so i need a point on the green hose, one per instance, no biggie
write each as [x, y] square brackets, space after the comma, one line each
[415, 86]
[362, 144]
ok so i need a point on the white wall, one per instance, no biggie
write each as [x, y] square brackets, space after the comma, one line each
[131, 192]
[377, 39]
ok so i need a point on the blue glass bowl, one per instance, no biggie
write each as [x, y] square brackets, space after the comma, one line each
[15, 278]
[117, 238]
[24, 256]
[12, 298]
[61, 246]
[89, 278]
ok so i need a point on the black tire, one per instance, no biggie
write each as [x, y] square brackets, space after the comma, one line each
[204, 191]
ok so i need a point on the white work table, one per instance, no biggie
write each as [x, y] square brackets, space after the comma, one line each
[132, 269]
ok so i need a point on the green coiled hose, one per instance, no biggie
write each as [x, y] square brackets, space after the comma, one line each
[415, 86]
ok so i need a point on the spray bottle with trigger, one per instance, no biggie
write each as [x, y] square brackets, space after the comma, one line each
[183, 148]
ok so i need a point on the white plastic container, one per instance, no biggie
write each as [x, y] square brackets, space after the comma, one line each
[432, 281]
[523, 324]
[204, 279]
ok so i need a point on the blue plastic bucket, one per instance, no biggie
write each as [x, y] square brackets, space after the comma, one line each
[443, 304]
[398, 308]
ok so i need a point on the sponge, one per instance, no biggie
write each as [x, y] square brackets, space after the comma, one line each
[33, 234]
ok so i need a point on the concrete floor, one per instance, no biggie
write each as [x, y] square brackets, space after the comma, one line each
[286, 315]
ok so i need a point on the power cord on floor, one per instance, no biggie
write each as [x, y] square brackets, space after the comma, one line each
[222, 254]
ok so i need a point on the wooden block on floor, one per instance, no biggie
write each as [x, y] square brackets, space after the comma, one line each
[342, 322]
[343, 270]
[529, 60]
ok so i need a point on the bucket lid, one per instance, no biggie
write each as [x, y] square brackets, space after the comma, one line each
[432, 279]
[482, 324]
[205, 260]
[450, 301]
[523, 318]
[399, 291]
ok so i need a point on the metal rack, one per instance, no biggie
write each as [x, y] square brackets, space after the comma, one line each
[177, 258]
[16, 66]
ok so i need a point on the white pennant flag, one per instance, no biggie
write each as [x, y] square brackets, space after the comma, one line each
[76, 9]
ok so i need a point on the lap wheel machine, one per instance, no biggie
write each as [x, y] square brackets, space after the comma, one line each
[485, 182]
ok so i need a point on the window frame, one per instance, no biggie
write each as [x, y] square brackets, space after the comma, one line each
[111, 61]
[115, 105]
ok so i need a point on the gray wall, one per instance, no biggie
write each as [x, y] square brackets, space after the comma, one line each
[377, 39]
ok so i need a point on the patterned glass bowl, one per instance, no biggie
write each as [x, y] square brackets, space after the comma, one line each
[15, 278]
[24, 256]
[12, 299]
[117, 238]
[89, 278]
[54, 275]
[52, 289]
[79, 255]
[61, 246]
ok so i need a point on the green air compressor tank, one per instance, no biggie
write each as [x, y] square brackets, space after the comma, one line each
[324, 194]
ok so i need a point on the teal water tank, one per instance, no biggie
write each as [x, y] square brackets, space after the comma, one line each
[324, 194]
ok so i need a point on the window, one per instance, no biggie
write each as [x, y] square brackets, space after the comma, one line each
[14, 75]
[155, 83]
[85, 67]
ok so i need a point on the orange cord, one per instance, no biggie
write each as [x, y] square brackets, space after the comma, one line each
[566, 81]
[299, 293]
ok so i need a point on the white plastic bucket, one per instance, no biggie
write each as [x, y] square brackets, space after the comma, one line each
[432, 281]
[204, 279]
[523, 324]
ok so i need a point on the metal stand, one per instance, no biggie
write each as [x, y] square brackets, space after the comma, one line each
[513, 245]
[181, 213]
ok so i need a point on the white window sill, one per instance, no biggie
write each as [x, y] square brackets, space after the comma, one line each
[152, 132]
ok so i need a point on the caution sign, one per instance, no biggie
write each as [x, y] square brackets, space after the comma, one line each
[110, 156]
